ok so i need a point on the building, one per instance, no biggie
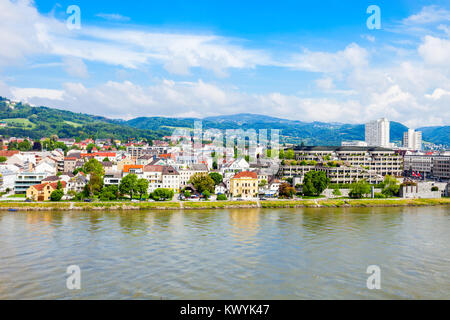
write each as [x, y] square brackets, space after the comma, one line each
[25, 180]
[344, 164]
[70, 164]
[412, 140]
[377, 133]
[441, 168]
[42, 192]
[244, 185]
[355, 143]
[186, 174]
[422, 163]
[170, 178]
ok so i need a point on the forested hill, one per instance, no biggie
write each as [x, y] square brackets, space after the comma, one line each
[36, 122]
[23, 120]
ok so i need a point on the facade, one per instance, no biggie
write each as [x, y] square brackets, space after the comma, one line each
[418, 163]
[25, 180]
[441, 168]
[412, 140]
[42, 192]
[186, 174]
[70, 164]
[170, 178]
[244, 185]
[377, 133]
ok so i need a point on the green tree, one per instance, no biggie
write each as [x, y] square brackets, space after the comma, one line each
[25, 145]
[314, 183]
[95, 184]
[187, 194]
[221, 197]
[89, 147]
[281, 154]
[109, 193]
[217, 177]
[56, 195]
[162, 194]
[263, 183]
[390, 186]
[202, 182]
[360, 189]
[3, 159]
[206, 194]
[142, 187]
[290, 154]
[128, 185]
[94, 166]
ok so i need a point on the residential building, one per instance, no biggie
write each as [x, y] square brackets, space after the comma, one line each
[170, 178]
[377, 133]
[187, 173]
[412, 140]
[42, 192]
[25, 180]
[244, 185]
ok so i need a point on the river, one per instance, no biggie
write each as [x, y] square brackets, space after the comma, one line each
[227, 254]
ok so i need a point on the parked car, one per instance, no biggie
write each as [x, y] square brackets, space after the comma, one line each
[87, 200]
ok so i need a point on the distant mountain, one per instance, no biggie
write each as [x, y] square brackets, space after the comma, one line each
[310, 133]
[37, 122]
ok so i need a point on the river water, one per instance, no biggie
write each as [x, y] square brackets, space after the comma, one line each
[227, 254]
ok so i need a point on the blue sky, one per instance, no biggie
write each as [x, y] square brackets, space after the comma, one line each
[305, 60]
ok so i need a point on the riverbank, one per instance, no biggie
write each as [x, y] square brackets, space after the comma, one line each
[190, 205]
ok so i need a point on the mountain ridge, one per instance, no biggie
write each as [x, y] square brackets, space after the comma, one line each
[37, 122]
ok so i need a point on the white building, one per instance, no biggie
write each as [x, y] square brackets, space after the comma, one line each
[412, 140]
[377, 133]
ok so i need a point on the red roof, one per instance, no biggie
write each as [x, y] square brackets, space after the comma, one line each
[246, 174]
[153, 168]
[54, 185]
[8, 153]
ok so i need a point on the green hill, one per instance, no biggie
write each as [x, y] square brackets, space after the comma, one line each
[36, 122]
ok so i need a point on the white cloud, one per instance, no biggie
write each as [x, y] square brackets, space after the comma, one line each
[428, 14]
[113, 16]
[353, 56]
[435, 51]
[75, 67]
[437, 94]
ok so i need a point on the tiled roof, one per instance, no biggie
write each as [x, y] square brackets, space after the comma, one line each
[246, 174]
[127, 167]
[54, 185]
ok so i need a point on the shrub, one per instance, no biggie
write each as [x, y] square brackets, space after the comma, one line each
[56, 195]
[221, 197]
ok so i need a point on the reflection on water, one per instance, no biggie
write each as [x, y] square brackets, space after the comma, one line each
[227, 254]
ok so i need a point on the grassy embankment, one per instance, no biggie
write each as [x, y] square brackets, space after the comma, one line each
[167, 205]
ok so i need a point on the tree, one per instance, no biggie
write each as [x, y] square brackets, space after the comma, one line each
[359, 189]
[281, 154]
[290, 154]
[221, 197]
[206, 194]
[214, 165]
[89, 147]
[162, 194]
[142, 187]
[187, 194]
[314, 183]
[94, 166]
[286, 190]
[56, 195]
[59, 185]
[109, 193]
[25, 145]
[390, 186]
[217, 177]
[95, 184]
[263, 183]
[202, 182]
[128, 185]
[3, 159]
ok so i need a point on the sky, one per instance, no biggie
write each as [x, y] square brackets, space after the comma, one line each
[300, 60]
